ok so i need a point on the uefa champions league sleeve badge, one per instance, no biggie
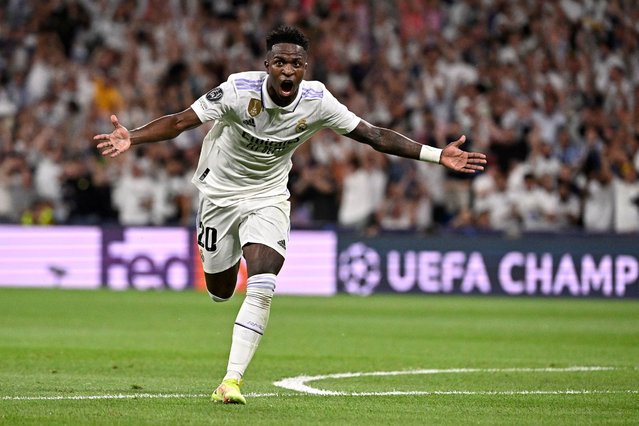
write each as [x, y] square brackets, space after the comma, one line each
[215, 94]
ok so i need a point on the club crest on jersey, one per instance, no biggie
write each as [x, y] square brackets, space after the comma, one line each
[301, 125]
[254, 107]
[215, 94]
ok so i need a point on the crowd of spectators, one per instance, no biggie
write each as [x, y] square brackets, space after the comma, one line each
[549, 90]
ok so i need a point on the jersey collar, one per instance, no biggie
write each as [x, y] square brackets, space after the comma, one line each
[270, 104]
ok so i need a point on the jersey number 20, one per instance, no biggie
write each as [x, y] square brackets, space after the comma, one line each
[207, 237]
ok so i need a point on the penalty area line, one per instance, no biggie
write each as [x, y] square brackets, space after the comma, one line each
[353, 394]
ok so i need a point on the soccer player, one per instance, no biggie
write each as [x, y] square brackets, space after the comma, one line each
[260, 118]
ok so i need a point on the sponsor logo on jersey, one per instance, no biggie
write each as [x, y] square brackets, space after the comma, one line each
[266, 146]
[254, 107]
[282, 243]
[215, 94]
[301, 125]
[249, 122]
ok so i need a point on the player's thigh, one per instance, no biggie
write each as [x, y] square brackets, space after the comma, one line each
[264, 234]
[218, 238]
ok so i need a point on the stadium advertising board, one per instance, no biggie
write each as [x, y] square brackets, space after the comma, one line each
[144, 258]
[310, 264]
[323, 263]
[576, 266]
[63, 257]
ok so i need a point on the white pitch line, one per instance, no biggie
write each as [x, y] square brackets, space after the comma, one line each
[501, 393]
[124, 396]
[299, 383]
[354, 394]
[107, 396]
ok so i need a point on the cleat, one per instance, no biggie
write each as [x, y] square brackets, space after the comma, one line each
[229, 393]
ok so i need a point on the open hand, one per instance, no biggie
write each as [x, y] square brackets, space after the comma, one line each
[461, 161]
[116, 142]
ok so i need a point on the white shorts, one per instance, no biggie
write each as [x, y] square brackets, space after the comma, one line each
[223, 231]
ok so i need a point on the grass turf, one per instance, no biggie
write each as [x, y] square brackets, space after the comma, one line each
[73, 344]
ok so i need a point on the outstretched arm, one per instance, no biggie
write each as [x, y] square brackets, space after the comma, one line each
[390, 142]
[163, 128]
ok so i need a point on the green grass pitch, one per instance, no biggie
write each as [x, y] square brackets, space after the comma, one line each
[103, 357]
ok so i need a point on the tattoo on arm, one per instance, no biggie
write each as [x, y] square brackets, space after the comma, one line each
[385, 140]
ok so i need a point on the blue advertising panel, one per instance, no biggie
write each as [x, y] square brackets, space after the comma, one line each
[548, 265]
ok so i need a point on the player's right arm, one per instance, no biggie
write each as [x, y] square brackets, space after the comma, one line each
[163, 128]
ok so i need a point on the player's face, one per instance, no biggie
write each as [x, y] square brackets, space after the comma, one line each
[285, 64]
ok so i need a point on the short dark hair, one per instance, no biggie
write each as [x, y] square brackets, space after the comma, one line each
[286, 34]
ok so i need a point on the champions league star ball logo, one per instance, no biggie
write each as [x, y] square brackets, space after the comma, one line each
[359, 269]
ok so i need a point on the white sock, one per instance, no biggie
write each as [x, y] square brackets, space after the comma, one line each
[250, 323]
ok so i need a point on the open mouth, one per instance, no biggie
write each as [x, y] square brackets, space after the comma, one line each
[287, 87]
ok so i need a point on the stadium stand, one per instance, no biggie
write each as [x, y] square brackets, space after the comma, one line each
[550, 90]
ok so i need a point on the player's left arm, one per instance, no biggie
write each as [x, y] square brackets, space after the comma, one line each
[391, 142]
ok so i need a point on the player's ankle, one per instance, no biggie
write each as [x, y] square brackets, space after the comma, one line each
[233, 375]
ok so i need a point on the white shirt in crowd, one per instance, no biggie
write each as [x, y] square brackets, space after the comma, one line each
[598, 206]
[626, 194]
[135, 195]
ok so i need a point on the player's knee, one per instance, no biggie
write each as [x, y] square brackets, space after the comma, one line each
[216, 298]
[220, 294]
[221, 286]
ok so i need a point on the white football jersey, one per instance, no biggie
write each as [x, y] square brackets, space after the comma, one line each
[247, 153]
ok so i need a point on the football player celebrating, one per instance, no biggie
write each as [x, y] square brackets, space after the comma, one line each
[259, 119]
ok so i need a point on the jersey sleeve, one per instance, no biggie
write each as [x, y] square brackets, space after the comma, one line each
[216, 103]
[336, 115]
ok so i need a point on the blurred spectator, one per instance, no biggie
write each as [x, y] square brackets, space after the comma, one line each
[86, 192]
[317, 188]
[177, 192]
[424, 207]
[626, 196]
[396, 212]
[598, 205]
[568, 207]
[40, 213]
[567, 150]
[549, 118]
[356, 200]
[498, 205]
[9, 167]
[135, 195]
[529, 205]
[16, 180]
